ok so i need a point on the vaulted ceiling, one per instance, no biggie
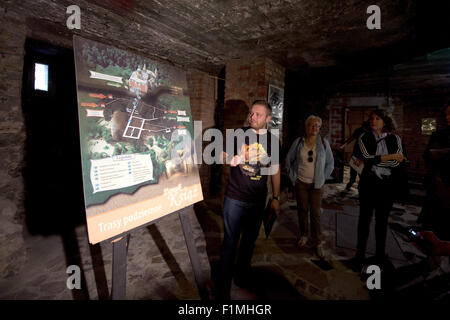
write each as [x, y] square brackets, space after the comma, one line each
[205, 34]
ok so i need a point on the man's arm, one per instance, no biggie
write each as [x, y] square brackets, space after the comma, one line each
[439, 247]
[236, 160]
[348, 141]
[275, 178]
[439, 154]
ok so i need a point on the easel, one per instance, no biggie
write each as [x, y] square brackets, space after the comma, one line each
[119, 267]
[119, 261]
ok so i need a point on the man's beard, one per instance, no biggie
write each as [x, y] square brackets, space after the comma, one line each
[255, 126]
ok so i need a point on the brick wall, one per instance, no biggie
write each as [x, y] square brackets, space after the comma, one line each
[248, 80]
[336, 107]
[245, 80]
[13, 32]
[274, 74]
[17, 24]
[202, 95]
[407, 113]
[334, 126]
[417, 108]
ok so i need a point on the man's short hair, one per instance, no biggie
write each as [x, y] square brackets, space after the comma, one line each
[263, 103]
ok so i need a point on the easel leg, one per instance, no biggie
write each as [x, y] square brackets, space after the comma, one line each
[119, 268]
[193, 254]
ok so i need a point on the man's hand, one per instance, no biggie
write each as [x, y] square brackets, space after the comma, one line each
[275, 205]
[236, 160]
[432, 239]
[357, 161]
[438, 247]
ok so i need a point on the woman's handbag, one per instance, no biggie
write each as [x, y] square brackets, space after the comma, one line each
[269, 218]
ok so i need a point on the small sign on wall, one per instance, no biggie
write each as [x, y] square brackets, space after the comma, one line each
[428, 126]
[276, 101]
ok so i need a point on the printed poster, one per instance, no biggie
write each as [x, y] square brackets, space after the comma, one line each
[276, 101]
[136, 134]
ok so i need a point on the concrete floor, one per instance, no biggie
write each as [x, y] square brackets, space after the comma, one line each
[158, 265]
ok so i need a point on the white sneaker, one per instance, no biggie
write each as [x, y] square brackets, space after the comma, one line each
[301, 243]
[319, 251]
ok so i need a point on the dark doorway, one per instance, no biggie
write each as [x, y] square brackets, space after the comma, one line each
[52, 174]
[353, 119]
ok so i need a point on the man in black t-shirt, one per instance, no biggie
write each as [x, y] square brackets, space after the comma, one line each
[253, 154]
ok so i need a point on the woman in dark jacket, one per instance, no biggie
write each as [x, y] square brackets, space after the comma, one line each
[382, 152]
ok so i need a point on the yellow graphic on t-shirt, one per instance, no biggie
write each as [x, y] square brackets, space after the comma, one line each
[253, 155]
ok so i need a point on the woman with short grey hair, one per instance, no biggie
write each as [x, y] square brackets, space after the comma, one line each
[309, 163]
[313, 118]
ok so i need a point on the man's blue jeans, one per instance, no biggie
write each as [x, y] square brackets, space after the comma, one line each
[239, 216]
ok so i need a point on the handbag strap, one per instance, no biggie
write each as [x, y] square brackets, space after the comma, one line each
[321, 138]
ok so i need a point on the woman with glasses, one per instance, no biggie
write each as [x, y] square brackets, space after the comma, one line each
[309, 163]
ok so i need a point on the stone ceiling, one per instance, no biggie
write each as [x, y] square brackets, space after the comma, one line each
[205, 34]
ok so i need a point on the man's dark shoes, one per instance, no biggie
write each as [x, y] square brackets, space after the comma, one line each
[356, 264]
[243, 279]
[221, 294]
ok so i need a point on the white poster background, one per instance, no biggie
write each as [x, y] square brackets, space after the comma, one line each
[120, 171]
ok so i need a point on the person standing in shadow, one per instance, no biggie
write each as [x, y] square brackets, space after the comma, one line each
[435, 212]
[382, 152]
[309, 163]
[253, 157]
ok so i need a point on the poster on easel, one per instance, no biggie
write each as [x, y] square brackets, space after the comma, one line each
[137, 139]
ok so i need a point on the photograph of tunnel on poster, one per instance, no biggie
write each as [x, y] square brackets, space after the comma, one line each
[136, 136]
